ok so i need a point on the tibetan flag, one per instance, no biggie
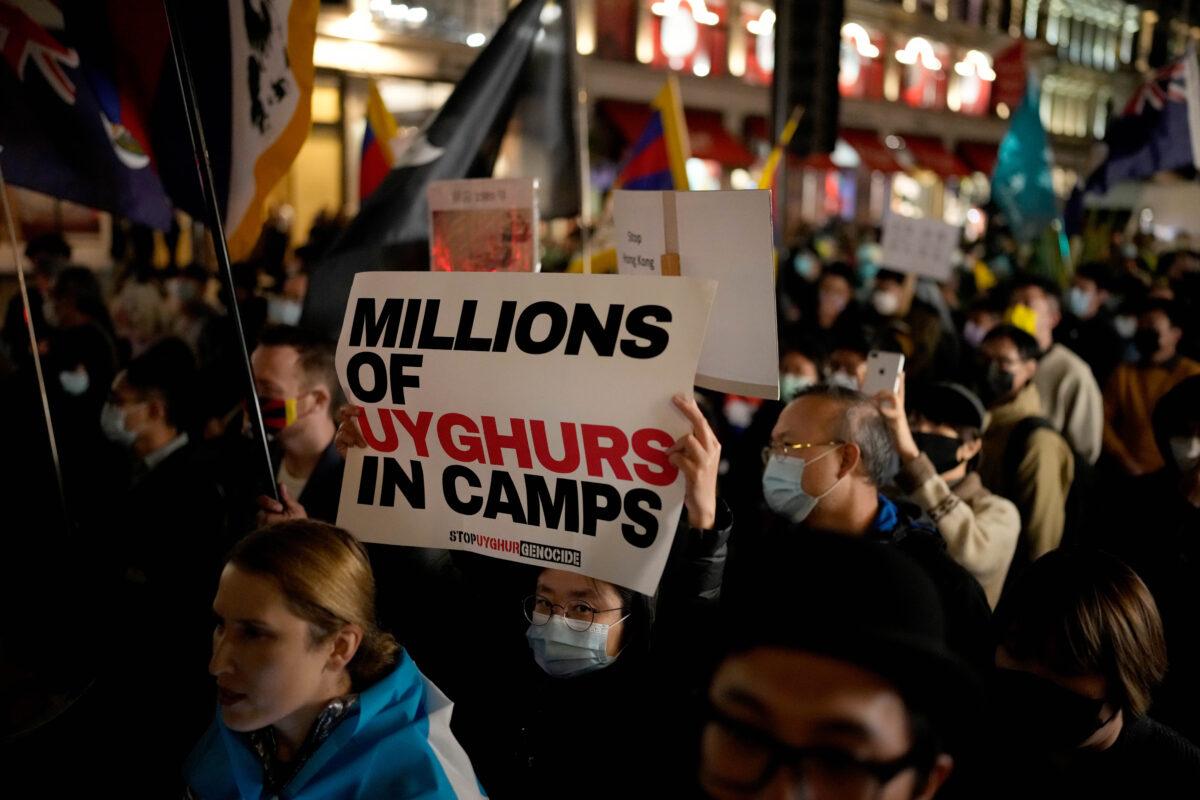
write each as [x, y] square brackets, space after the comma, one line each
[659, 157]
[767, 179]
[378, 155]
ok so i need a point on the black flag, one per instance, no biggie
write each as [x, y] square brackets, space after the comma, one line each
[391, 231]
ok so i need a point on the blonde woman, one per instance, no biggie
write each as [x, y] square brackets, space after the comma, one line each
[315, 700]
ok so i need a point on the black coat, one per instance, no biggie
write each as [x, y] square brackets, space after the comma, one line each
[626, 729]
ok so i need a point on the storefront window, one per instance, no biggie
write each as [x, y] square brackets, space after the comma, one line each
[690, 35]
[758, 21]
[861, 66]
[923, 82]
[971, 84]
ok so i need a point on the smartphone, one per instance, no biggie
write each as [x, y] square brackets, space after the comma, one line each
[883, 372]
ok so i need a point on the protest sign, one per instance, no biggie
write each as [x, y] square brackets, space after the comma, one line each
[919, 246]
[522, 417]
[722, 236]
[484, 225]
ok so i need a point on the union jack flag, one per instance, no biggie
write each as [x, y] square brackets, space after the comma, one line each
[1159, 129]
[1168, 84]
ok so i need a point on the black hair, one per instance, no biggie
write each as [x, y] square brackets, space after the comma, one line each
[864, 426]
[1099, 273]
[167, 371]
[1026, 280]
[1172, 310]
[80, 286]
[842, 270]
[46, 249]
[1027, 346]
[806, 345]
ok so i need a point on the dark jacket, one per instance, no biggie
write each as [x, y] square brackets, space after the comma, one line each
[904, 526]
[625, 727]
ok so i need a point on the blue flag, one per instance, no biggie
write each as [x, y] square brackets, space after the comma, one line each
[1159, 128]
[1022, 185]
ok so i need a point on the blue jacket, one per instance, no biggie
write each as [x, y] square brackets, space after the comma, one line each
[395, 743]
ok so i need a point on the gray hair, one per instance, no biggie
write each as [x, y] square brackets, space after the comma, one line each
[862, 424]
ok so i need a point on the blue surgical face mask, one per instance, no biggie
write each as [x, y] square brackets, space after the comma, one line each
[783, 486]
[805, 265]
[791, 385]
[565, 653]
[1079, 302]
[284, 311]
[112, 423]
[75, 382]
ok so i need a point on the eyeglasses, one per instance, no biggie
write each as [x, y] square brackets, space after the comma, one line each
[790, 449]
[739, 758]
[579, 615]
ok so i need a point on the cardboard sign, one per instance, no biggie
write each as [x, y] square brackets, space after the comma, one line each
[521, 417]
[485, 225]
[721, 236]
[919, 246]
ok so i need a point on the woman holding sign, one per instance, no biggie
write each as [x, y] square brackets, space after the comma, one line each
[315, 700]
[595, 704]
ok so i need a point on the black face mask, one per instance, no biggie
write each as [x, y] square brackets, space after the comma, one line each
[994, 383]
[942, 451]
[1046, 716]
[1146, 342]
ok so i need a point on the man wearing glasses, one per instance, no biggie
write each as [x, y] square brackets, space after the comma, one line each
[861, 700]
[830, 455]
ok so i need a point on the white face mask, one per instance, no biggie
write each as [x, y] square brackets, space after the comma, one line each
[973, 333]
[75, 382]
[886, 303]
[112, 423]
[791, 385]
[284, 311]
[1186, 451]
[844, 380]
[1126, 326]
[564, 652]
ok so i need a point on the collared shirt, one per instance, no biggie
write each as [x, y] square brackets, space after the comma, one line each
[161, 454]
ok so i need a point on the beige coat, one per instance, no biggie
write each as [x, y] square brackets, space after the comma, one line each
[1043, 476]
[980, 528]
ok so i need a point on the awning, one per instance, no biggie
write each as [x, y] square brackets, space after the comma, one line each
[874, 153]
[929, 153]
[981, 156]
[706, 132]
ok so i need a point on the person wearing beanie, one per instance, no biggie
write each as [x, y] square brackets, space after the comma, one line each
[939, 444]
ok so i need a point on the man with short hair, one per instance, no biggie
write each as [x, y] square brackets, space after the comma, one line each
[298, 390]
[1037, 474]
[830, 454]
[1135, 389]
[1070, 395]
[938, 455]
[835, 680]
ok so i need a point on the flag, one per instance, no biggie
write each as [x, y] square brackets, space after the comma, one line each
[391, 230]
[539, 140]
[67, 129]
[658, 159]
[1022, 185]
[1159, 128]
[93, 111]
[378, 155]
[767, 179]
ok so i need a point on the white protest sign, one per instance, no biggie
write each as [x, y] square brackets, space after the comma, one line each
[483, 225]
[919, 246]
[524, 417]
[722, 236]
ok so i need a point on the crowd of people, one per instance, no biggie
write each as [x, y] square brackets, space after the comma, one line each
[981, 584]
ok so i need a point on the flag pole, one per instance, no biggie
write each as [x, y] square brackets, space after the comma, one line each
[33, 347]
[191, 110]
[581, 143]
